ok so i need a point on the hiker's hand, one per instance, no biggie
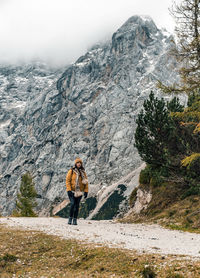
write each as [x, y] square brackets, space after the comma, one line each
[85, 195]
[69, 194]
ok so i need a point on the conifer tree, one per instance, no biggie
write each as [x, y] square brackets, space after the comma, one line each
[174, 105]
[155, 130]
[187, 51]
[26, 198]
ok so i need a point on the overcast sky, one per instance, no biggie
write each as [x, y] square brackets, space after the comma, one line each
[59, 31]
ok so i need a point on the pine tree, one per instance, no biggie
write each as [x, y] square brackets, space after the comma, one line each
[187, 52]
[174, 105]
[155, 129]
[26, 198]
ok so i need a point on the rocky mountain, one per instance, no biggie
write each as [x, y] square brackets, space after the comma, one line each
[89, 112]
[20, 84]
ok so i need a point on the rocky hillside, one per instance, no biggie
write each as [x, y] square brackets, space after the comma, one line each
[90, 112]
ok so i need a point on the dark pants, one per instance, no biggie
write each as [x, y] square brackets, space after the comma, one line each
[74, 205]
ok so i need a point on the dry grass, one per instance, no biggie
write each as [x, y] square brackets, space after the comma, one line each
[168, 209]
[35, 254]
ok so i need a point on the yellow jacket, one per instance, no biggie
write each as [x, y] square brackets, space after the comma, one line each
[71, 181]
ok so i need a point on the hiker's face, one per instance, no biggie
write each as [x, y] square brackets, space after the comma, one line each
[78, 164]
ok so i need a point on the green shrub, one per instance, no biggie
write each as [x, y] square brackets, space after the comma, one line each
[194, 107]
[172, 212]
[156, 180]
[174, 105]
[153, 176]
[15, 213]
[193, 190]
[145, 176]
[194, 102]
[148, 272]
[8, 258]
[164, 172]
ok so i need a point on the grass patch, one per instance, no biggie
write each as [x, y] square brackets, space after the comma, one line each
[35, 254]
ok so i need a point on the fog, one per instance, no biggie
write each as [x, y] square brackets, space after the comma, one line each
[59, 31]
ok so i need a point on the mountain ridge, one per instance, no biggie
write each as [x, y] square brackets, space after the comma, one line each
[89, 111]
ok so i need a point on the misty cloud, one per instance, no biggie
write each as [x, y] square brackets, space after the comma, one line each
[59, 31]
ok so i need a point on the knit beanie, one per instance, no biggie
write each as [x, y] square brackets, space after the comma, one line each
[78, 160]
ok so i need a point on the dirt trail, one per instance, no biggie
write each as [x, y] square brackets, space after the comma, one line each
[140, 237]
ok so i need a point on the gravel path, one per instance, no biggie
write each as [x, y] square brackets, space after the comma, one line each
[140, 237]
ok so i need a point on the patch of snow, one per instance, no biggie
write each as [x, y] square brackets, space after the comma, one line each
[165, 32]
[4, 124]
[146, 17]
[82, 64]
[17, 105]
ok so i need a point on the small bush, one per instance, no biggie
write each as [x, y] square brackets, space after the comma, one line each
[153, 176]
[189, 220]
[148, 272]
[193, 98]
[157, 177]
[187, 211]
[164, 172]
[8, 258]
[145, 176]
[195, 106]
[156, 181]
[193, 190]
[172, 212]
[15, 213]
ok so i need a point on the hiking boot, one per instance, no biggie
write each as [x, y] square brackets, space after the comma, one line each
[74, 221]
[70, 221]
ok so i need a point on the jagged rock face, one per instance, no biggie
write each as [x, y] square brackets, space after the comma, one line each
[25, 93]
[20, 84]
[90, 114]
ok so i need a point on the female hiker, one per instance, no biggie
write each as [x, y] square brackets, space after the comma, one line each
[77, 186]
